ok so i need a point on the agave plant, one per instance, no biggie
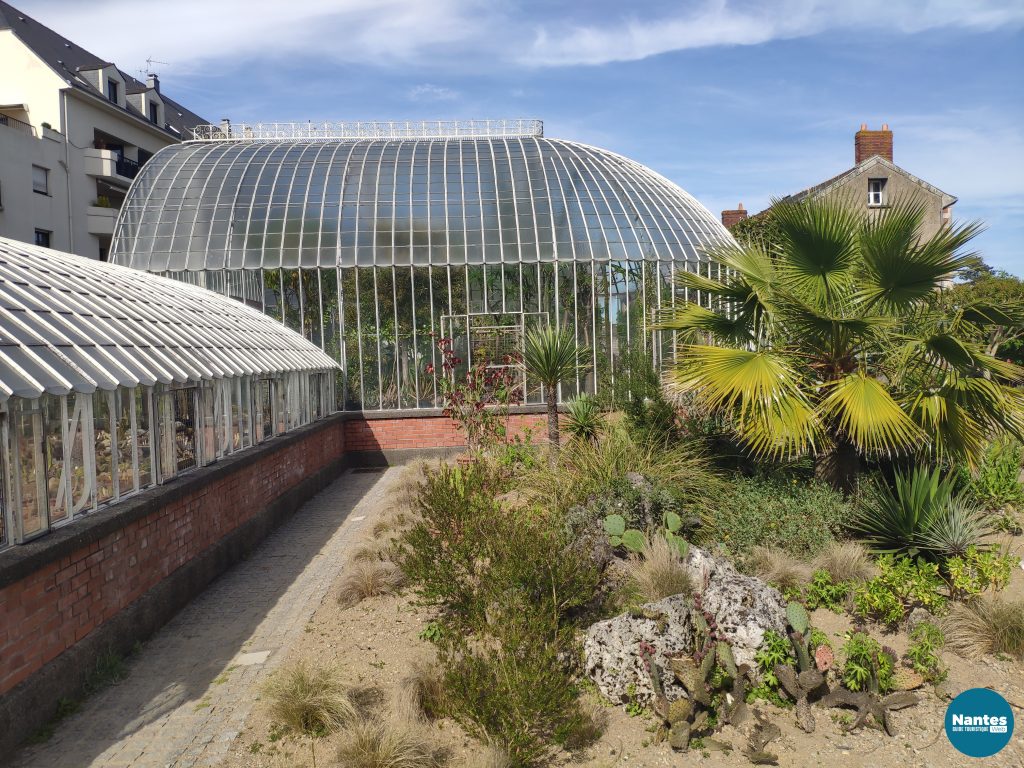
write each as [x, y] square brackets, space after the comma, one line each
[921, 514]
[837, 342]
[583, 419]
[552, 356]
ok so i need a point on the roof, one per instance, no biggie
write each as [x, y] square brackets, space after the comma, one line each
[871, 162]
[403, 201]
[68, 60]
[71, 324]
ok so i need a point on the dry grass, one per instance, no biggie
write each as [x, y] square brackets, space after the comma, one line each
[845, 561]
[388, 743]
[658, 572]
[778, 568]
[985, 627]
[420, 695]
[495, 757]
[309, 700]
[369, 578]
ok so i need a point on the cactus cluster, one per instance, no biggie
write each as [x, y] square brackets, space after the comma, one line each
[713, 682]
[634, 540]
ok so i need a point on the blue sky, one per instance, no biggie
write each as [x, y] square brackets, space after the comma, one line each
[734, 101]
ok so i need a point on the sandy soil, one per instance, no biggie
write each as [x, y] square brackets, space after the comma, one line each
[377, 641]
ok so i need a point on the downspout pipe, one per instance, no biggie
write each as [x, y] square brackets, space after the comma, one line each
[66, 120]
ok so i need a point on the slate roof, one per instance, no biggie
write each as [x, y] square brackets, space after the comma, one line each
[69, 60]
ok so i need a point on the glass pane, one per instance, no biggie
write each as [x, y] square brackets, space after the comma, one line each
[104, 449]
[53, 444]
[82, 469]
[280, 390]
[184, 414]
[143, 436]
[125, 447]
[208, 412]
[27, 432]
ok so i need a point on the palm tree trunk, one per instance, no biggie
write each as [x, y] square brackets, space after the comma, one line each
[552, 400]
[838, 467]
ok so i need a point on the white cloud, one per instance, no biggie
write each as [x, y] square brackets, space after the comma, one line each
[722, 23]
[431, 92]
[191, 34]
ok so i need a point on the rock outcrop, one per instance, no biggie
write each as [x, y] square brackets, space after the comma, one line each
[744, 607]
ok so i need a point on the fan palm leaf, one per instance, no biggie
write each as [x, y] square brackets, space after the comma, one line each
[864, 411]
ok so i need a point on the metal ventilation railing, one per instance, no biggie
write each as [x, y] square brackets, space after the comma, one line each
[393, 129]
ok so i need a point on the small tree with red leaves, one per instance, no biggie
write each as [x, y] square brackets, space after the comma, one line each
[479, 401]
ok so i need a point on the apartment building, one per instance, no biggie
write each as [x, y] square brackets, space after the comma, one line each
[74, 131]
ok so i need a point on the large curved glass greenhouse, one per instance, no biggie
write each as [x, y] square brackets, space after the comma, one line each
[112, 380]
[376, 241]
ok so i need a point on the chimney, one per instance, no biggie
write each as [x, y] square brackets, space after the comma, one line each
[870, 143]
[153, 82]
[225, 127]
[731, 218]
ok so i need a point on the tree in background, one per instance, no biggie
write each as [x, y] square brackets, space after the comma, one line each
[840, 344]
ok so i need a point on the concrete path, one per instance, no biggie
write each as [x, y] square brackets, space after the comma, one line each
[189, 690]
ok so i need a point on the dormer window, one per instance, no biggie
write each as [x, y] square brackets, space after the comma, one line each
[876, 192]
[154, 113]
[112, 92]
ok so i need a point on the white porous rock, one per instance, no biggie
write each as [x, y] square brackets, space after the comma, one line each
[744, 608]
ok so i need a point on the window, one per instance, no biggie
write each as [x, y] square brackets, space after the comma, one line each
[112, 89]
[876, 191]
[40, 180]
[42, 238]
[154, 113]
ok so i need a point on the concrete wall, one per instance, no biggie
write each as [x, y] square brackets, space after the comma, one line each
[22, 211]
[114, 577]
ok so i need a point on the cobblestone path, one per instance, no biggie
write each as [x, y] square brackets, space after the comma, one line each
[190, 688]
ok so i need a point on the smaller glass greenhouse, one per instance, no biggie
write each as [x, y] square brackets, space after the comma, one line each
[113, 380]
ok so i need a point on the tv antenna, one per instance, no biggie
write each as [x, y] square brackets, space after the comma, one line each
[149, 65]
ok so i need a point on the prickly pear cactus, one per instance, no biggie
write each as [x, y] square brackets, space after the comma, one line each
[725, 659]
[797, 617]
[824, 658]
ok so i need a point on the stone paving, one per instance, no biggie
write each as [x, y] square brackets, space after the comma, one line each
[191, 687]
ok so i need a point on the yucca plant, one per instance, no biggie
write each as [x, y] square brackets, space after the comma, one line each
[921, 514]
[552, 356]
[583, 419]
[836, 343]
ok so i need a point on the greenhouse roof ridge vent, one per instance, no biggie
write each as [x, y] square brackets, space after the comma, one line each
[371, 129]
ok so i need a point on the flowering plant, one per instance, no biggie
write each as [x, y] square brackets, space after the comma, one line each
[479, 401]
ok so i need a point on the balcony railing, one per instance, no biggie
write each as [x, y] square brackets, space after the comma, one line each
[397, 129]
[125, 167]
[18, 125]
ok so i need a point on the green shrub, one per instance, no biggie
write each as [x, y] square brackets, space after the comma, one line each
[775, 649]
[800, 518]
[583, 418]
[921, 514]
[996, 483]
[902, 584]
[975, 571]
[585, 471]
[823, 592]
[867, 665]
[923, 651]
[515, 690]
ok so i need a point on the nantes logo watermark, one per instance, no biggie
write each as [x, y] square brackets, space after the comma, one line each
[979, 722]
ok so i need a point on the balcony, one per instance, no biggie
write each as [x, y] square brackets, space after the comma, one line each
[16, 125]
[109, 165]
[100, 219]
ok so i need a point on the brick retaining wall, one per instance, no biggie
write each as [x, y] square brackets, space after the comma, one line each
[114, 577]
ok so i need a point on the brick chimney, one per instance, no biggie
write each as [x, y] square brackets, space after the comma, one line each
[731, 218]
[870, 143]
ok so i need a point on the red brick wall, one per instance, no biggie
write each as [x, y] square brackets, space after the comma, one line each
[50, 610]
[425, 432]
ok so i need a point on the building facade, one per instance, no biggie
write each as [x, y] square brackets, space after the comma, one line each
[375, 240]
[872, 184]
[74, 131]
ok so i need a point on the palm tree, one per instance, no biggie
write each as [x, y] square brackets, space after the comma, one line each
[838, 342]
[551, 356]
